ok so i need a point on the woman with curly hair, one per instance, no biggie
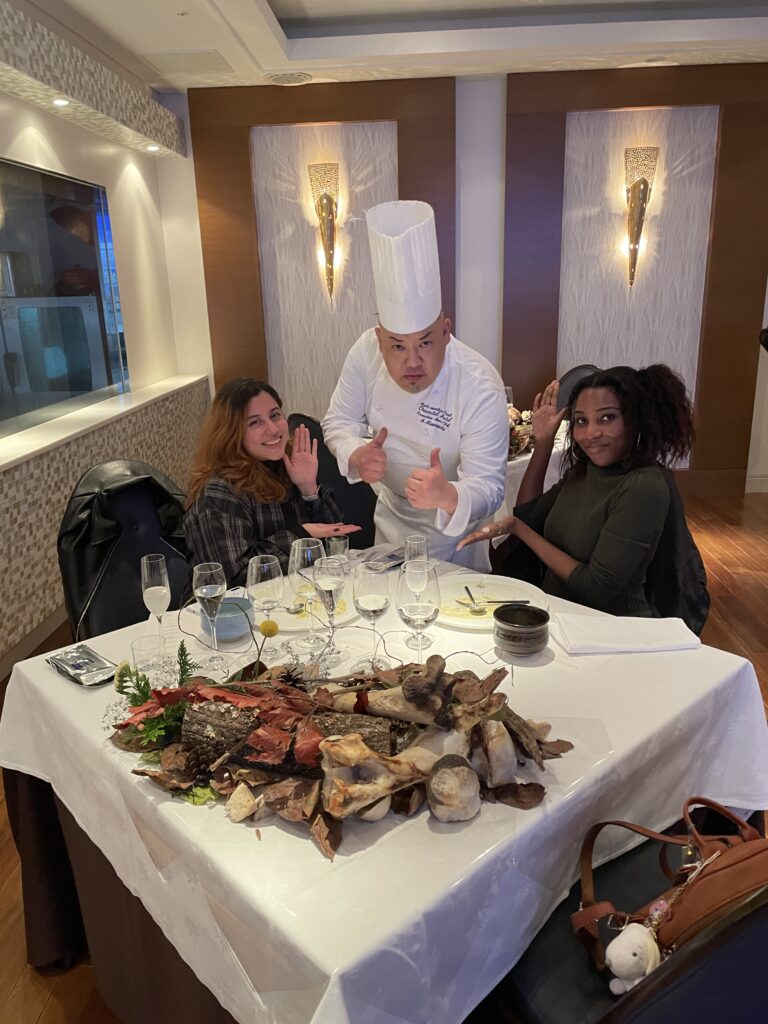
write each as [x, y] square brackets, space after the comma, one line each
[254, 490]
[596, 532]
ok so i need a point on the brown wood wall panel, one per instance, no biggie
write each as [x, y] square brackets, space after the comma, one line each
[532, 238]
[737, 262]
[221, 120]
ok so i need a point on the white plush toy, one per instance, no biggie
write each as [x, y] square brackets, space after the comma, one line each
[632, 955]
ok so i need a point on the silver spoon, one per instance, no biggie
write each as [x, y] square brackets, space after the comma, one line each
[475, 608]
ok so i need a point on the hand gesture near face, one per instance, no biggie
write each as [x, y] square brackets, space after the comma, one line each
[301, 465]
[370, 460]
[430, 488]
[544, 415]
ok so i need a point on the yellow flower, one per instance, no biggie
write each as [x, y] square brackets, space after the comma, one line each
[269, 628]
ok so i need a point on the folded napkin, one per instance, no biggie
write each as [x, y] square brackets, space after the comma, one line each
[601, 634]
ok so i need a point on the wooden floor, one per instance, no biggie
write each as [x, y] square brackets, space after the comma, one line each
[733, 540]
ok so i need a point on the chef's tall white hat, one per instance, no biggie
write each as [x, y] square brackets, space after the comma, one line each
[406, 267]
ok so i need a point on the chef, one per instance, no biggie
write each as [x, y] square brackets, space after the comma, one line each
[436, 407]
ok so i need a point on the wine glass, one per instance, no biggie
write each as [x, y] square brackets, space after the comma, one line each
[155, 588]
[304, 553]
[265, 586]
[371, 594]
[418, 597]
[209, 585]
[329, 580]
[416, 547]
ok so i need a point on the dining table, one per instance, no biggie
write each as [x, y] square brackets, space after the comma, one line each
[414, 920]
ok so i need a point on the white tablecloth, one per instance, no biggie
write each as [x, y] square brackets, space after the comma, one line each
[414, 921]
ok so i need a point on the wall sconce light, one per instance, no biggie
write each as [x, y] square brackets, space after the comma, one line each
[324, 183]
[639, 172]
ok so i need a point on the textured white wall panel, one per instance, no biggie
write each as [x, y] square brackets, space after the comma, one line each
[602, 321]
[308, 336]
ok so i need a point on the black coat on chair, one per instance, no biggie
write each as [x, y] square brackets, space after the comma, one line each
[118, 512]
[356, 501]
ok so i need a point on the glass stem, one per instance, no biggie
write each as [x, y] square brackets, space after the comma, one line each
[160, 623]
[213, 634]
[373, 652]
[311, 616]
[332, 626]
[418, 641]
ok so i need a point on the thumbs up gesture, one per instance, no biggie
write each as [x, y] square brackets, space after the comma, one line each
[370, 460]
[430, 488]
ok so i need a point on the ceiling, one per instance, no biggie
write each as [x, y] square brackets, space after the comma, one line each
[173, 45]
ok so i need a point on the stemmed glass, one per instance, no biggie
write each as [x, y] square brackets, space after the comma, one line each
[329, 580]
[265, 586]
[418, 598]
[338, 547]
[155, 588]
[371, 594]
[416, 548]
[304, 553]
[209, 585]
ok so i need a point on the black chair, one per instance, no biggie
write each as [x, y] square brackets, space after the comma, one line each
[717, 976]
[570, 379]
[118, 512]
[356, 501]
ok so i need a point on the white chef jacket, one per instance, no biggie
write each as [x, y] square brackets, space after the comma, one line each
[463, 413]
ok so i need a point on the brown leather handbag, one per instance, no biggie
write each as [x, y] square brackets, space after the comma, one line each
[726, 871]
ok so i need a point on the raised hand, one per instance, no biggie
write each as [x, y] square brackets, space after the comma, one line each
[301, 465]
[499, 529]
[430, 488]
[545, 417]
[323, 530]
[370, 460]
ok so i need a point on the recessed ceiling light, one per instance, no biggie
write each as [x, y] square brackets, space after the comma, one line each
[60, 102]
[153, 149]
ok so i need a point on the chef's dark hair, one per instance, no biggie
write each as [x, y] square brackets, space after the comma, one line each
[656, 411]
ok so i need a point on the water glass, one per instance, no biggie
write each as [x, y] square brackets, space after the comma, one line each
[508, 393]
[155, 588]
[304, 553]
[371, 594]
[149, 655]
[418, 597]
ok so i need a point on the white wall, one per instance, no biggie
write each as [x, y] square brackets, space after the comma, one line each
[480, 174]
[184, 254]
[308, 336]
[31, 136]
[757, 466]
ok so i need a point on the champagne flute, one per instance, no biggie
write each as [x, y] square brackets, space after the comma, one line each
[209, 585]
[329, 580]
[338, 547]
[155, 588]
[371, 594]
[304, 553]
[416, 548]
[265, 586]
[418, 597]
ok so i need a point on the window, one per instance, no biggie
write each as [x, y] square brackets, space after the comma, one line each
[62, 344]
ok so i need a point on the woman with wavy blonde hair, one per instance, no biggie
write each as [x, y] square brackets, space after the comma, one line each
[254, 490]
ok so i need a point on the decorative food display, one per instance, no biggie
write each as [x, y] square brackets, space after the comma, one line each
[272, 742]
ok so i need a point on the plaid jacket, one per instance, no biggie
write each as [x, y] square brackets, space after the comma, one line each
[224, 525]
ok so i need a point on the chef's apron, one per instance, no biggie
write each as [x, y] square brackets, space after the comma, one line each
[417, 423]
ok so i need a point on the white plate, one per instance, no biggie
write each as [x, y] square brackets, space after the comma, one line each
[483, 587]
[345, 612]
